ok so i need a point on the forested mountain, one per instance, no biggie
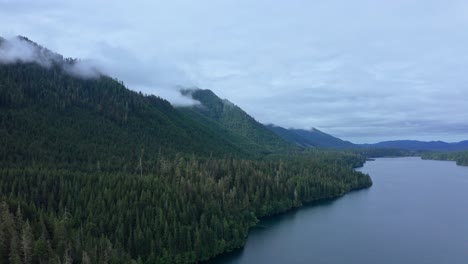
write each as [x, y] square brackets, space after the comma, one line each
[50, 115]
[310, 138]
[416, 145]
[92, 172]
[237, 124]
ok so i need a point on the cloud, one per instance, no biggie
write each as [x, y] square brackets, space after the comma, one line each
[362, 70]
[150, 76]
[149, 73]
[18, 49]
[22, 50]
[83, 69]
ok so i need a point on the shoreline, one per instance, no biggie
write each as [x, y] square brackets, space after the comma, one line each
[215, 259]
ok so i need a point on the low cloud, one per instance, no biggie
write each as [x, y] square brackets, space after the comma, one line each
[22, 50]
[19, 49]
[151, 76]
[83, 69]
[361, 70]
[148, 73]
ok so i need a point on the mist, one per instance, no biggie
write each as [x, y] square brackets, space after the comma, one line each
[20, 50]
[86, 69]
[147, 72]
[150, 76]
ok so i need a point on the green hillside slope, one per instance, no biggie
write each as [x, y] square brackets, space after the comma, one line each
[49, 115]
[311, 138]
[237, 124]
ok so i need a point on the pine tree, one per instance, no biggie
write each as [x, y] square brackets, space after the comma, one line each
[27, 240]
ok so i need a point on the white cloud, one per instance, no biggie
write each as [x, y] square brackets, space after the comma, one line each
[15, 50]
[391, 68]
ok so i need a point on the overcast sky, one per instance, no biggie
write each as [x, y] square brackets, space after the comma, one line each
[361, 70]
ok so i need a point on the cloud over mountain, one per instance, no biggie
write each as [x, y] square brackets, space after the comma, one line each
[391, 67]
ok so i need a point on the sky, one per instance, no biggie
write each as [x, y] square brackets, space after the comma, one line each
[364, 71]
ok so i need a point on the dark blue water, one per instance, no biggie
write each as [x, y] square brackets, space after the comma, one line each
[416, 212]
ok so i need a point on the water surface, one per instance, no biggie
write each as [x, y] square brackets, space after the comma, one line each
[416, 212]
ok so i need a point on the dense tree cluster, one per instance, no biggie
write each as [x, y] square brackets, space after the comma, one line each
[460, 157]
[184, 210]
[44, 110]
[382, 152]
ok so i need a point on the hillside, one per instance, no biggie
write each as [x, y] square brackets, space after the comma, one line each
[310, 138]
[243, 129]
[48, 114]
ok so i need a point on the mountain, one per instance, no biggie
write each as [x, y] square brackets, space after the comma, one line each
[310, 138]
[46, 108]
[49, 114]
[415, 145]
[23, 49]
[241, 128]
[92, 172]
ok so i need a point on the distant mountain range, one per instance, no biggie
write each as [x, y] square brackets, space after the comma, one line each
[318, 139]
[420, 145]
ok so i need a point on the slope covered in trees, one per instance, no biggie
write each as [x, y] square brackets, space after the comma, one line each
[47, 114]
[311, 138]
[92, 172]
[237, 124]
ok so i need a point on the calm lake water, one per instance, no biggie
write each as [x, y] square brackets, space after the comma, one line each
[416, 212]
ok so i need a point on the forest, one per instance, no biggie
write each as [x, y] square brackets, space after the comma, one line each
[92, 172]
[184, 210]
[461, 158]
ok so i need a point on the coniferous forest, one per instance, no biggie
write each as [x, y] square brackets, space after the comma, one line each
[92, 172]
[461, 158]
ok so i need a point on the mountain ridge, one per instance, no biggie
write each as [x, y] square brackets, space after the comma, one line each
[318, 139]
[250, 133]
[416, 145]
[31, 92]
[310, 138]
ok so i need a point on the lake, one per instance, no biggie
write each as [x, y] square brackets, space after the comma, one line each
[416, 212]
